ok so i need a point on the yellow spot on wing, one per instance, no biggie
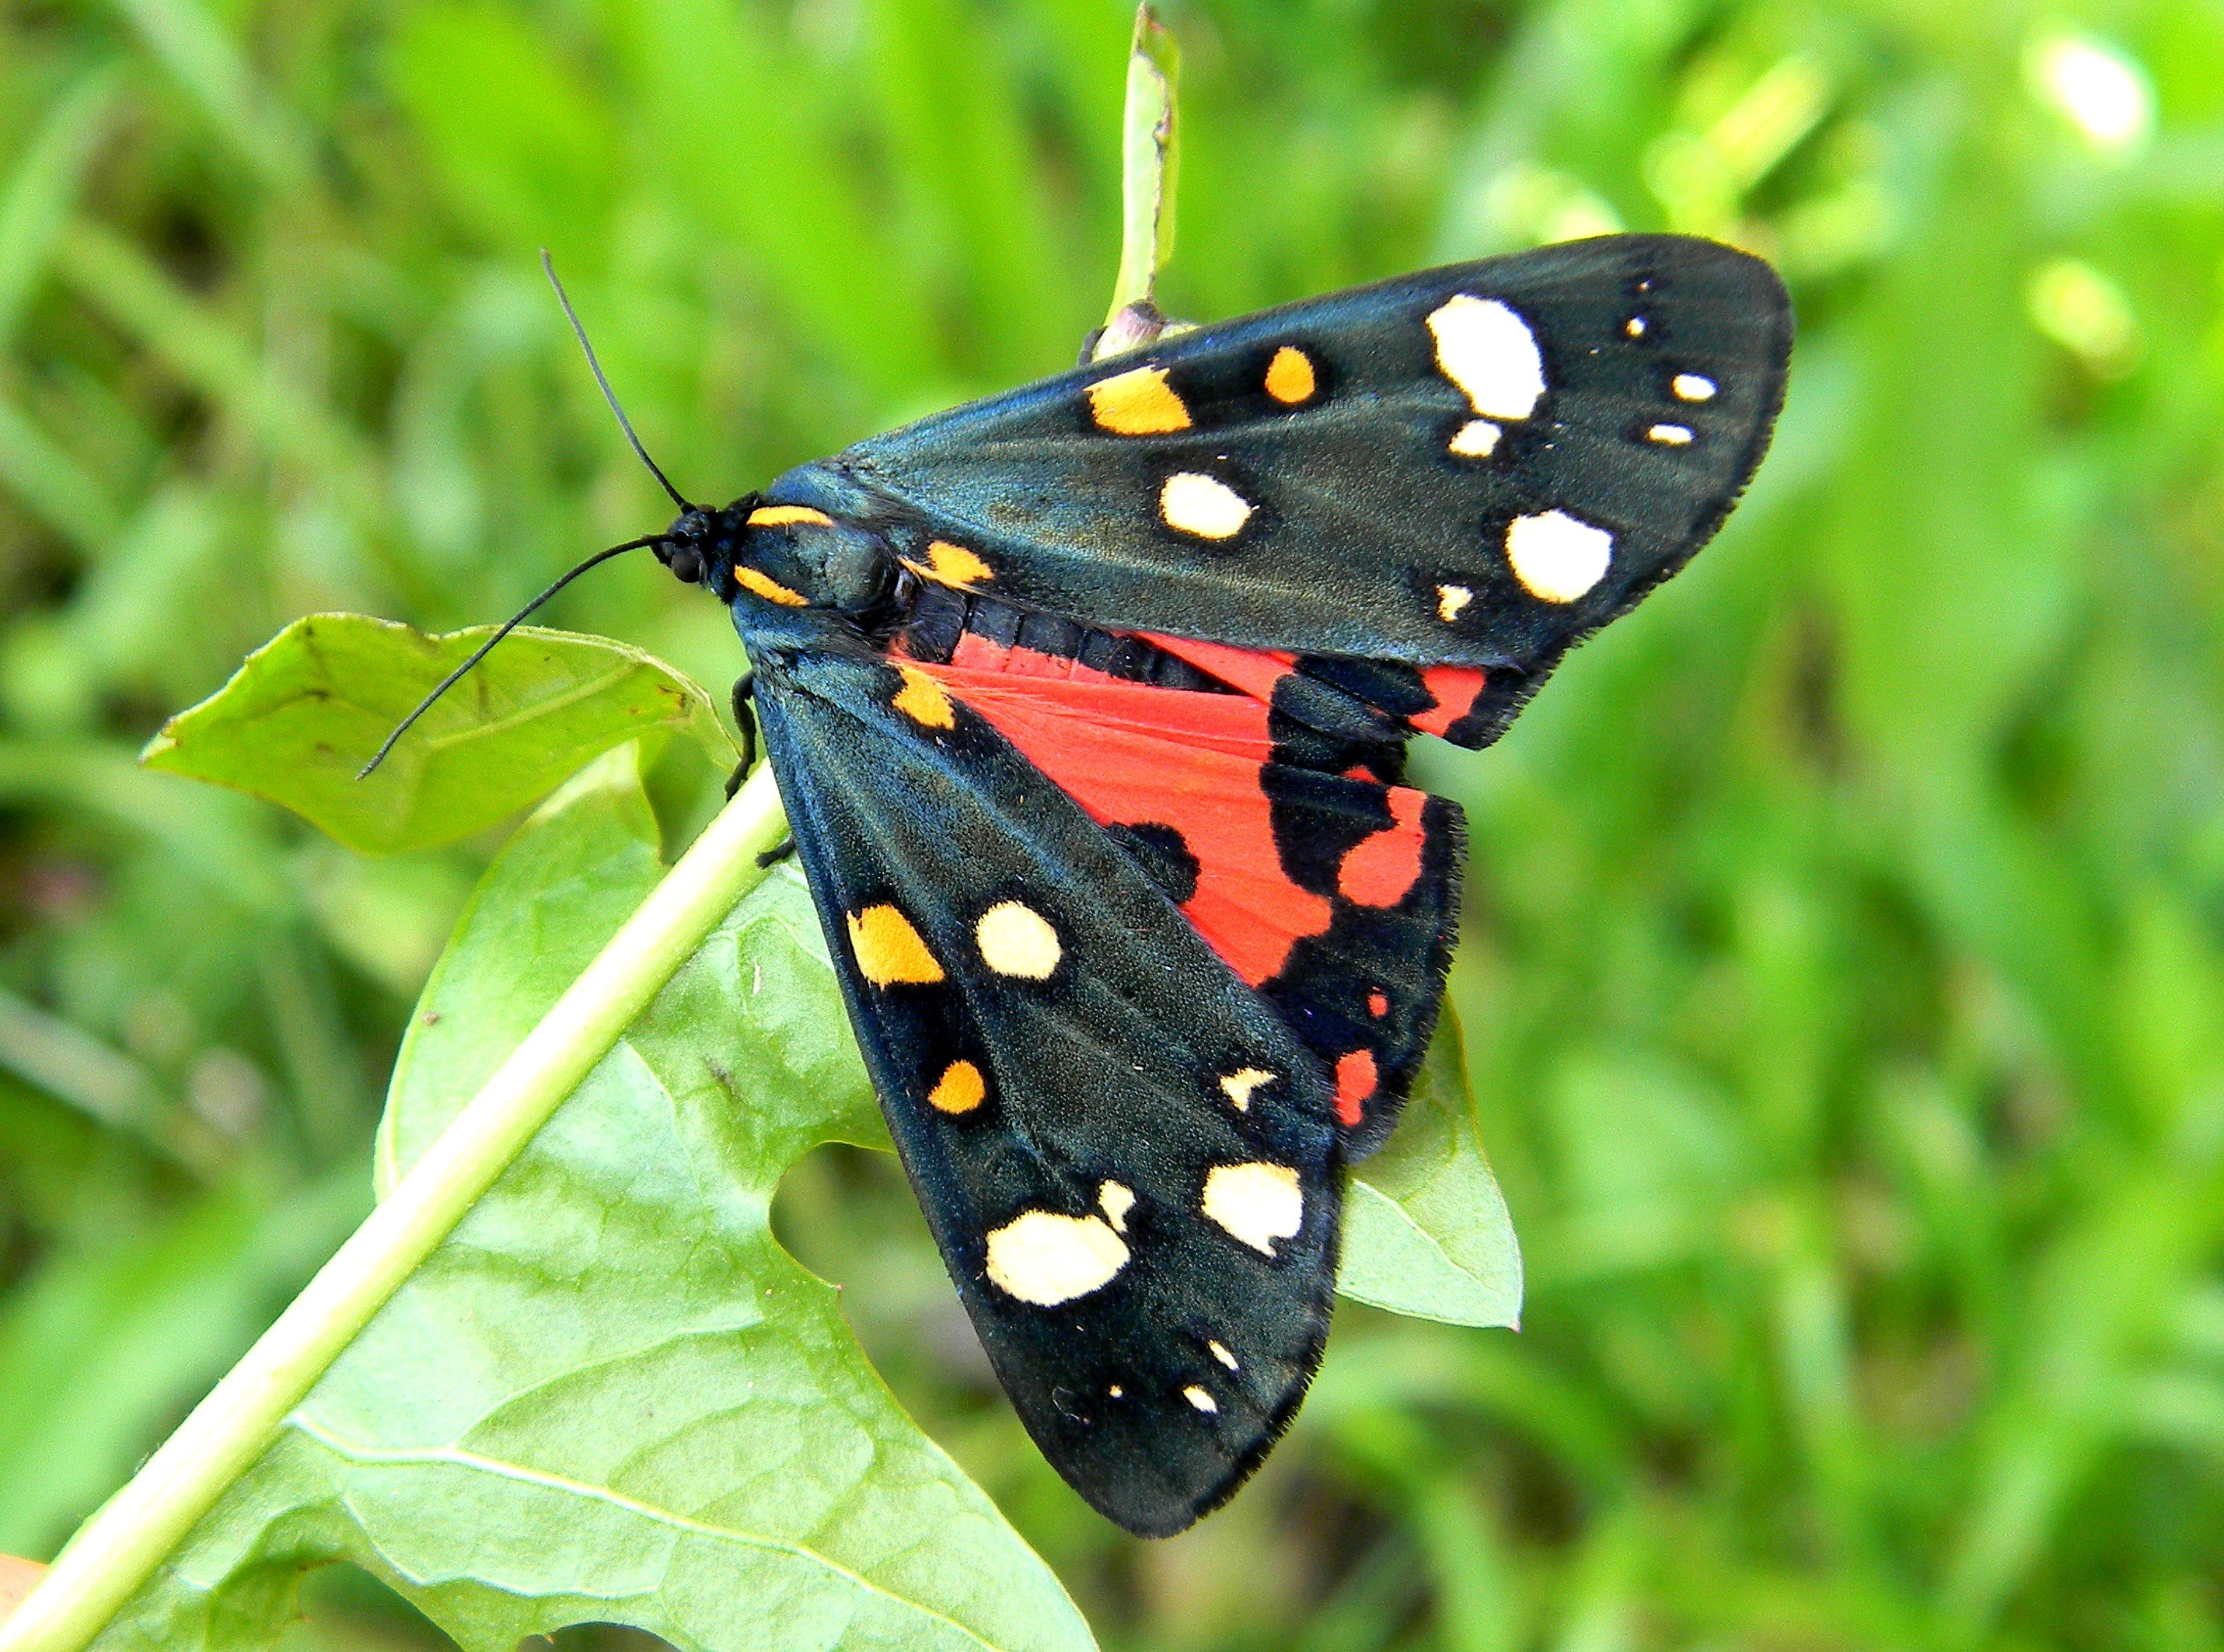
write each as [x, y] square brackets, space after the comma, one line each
[922, 699]
[959, 1089]
[789, 517]
[769, 588]
[1117, 1200]
[1238, 1087]
[1017, 940]
[889, 951]
[1044, 1258]
[1476, 439]
[1138, 402]
[1451, 599]
[1201, 1399]
[1290, 376]
[952, 564]
[1220, 1352]
[1255, 1203]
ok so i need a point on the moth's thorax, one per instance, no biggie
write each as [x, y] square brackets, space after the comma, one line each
[787, 556]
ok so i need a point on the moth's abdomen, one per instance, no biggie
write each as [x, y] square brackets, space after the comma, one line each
[942, 626]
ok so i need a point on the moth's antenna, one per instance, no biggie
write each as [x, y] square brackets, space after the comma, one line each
[484, 649]
[609, 395]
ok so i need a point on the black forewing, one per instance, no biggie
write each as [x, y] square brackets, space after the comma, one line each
[1156, 1393]
[1365, 527]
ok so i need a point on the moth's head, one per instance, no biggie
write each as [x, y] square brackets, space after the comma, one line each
[793, 556]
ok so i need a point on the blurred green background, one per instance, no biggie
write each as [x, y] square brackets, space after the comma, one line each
[1844, 970]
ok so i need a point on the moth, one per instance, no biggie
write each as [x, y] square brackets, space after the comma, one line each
[1089, 703]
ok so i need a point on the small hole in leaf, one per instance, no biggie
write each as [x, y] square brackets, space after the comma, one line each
[597, 1638]
[343, 1605]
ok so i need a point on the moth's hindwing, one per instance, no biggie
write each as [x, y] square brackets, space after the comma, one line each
[1476, 465]
[1328, 889]
[1129, 1161]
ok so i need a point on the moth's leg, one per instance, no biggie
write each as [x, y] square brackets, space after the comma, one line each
[773, 857]
[745, 723]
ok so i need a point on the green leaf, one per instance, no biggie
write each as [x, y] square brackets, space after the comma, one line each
[610, 1396]
[107, 1339]
[1425, 1230]
[305, 711]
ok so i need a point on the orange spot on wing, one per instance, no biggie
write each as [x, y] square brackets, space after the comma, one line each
[889, 951]
[959, 1089]
[1356, 1081]
[952, 564]
[1378, 1003]
[769, 588]
[1382, 868]
[1138, 402]
[922, 700]
[1290, 376]
[1456, 688]
[789, 517]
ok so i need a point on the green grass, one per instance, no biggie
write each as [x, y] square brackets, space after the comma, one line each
[1844, 972]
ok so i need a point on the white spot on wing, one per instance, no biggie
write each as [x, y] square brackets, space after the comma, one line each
[1115, 1200]
[1451, 599]
[1672, 435]
[1203, 1401]
[1238, 1087]
[1555, 557]
[1220, 1352]
[1203, 505]
[1044, 1258]
[1476, 439]
[1636, 327]
[1489, 352]
[1693, 387]
[1255, 1203]
[1016, 939]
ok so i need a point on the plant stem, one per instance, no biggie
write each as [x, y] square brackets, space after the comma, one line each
[119, 1548]
[1147, 156]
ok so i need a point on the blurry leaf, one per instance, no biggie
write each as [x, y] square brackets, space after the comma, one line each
[191, 42]
[764, 172]
[610, 1395]
[957, 129]
[69, 1064]
[41, 192]
[1425, 1230]
[105, 1344]
[534, 167]
[387, 917]
[307, 710]
[216, 357]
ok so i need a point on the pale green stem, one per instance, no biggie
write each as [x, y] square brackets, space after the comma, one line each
[119, 1548]
[1147, 157]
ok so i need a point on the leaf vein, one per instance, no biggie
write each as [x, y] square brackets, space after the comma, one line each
[456, 1456]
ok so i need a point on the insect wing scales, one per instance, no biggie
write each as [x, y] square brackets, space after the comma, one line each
[1050, 1039]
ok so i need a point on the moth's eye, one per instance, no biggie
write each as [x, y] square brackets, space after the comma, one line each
[687, 565]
